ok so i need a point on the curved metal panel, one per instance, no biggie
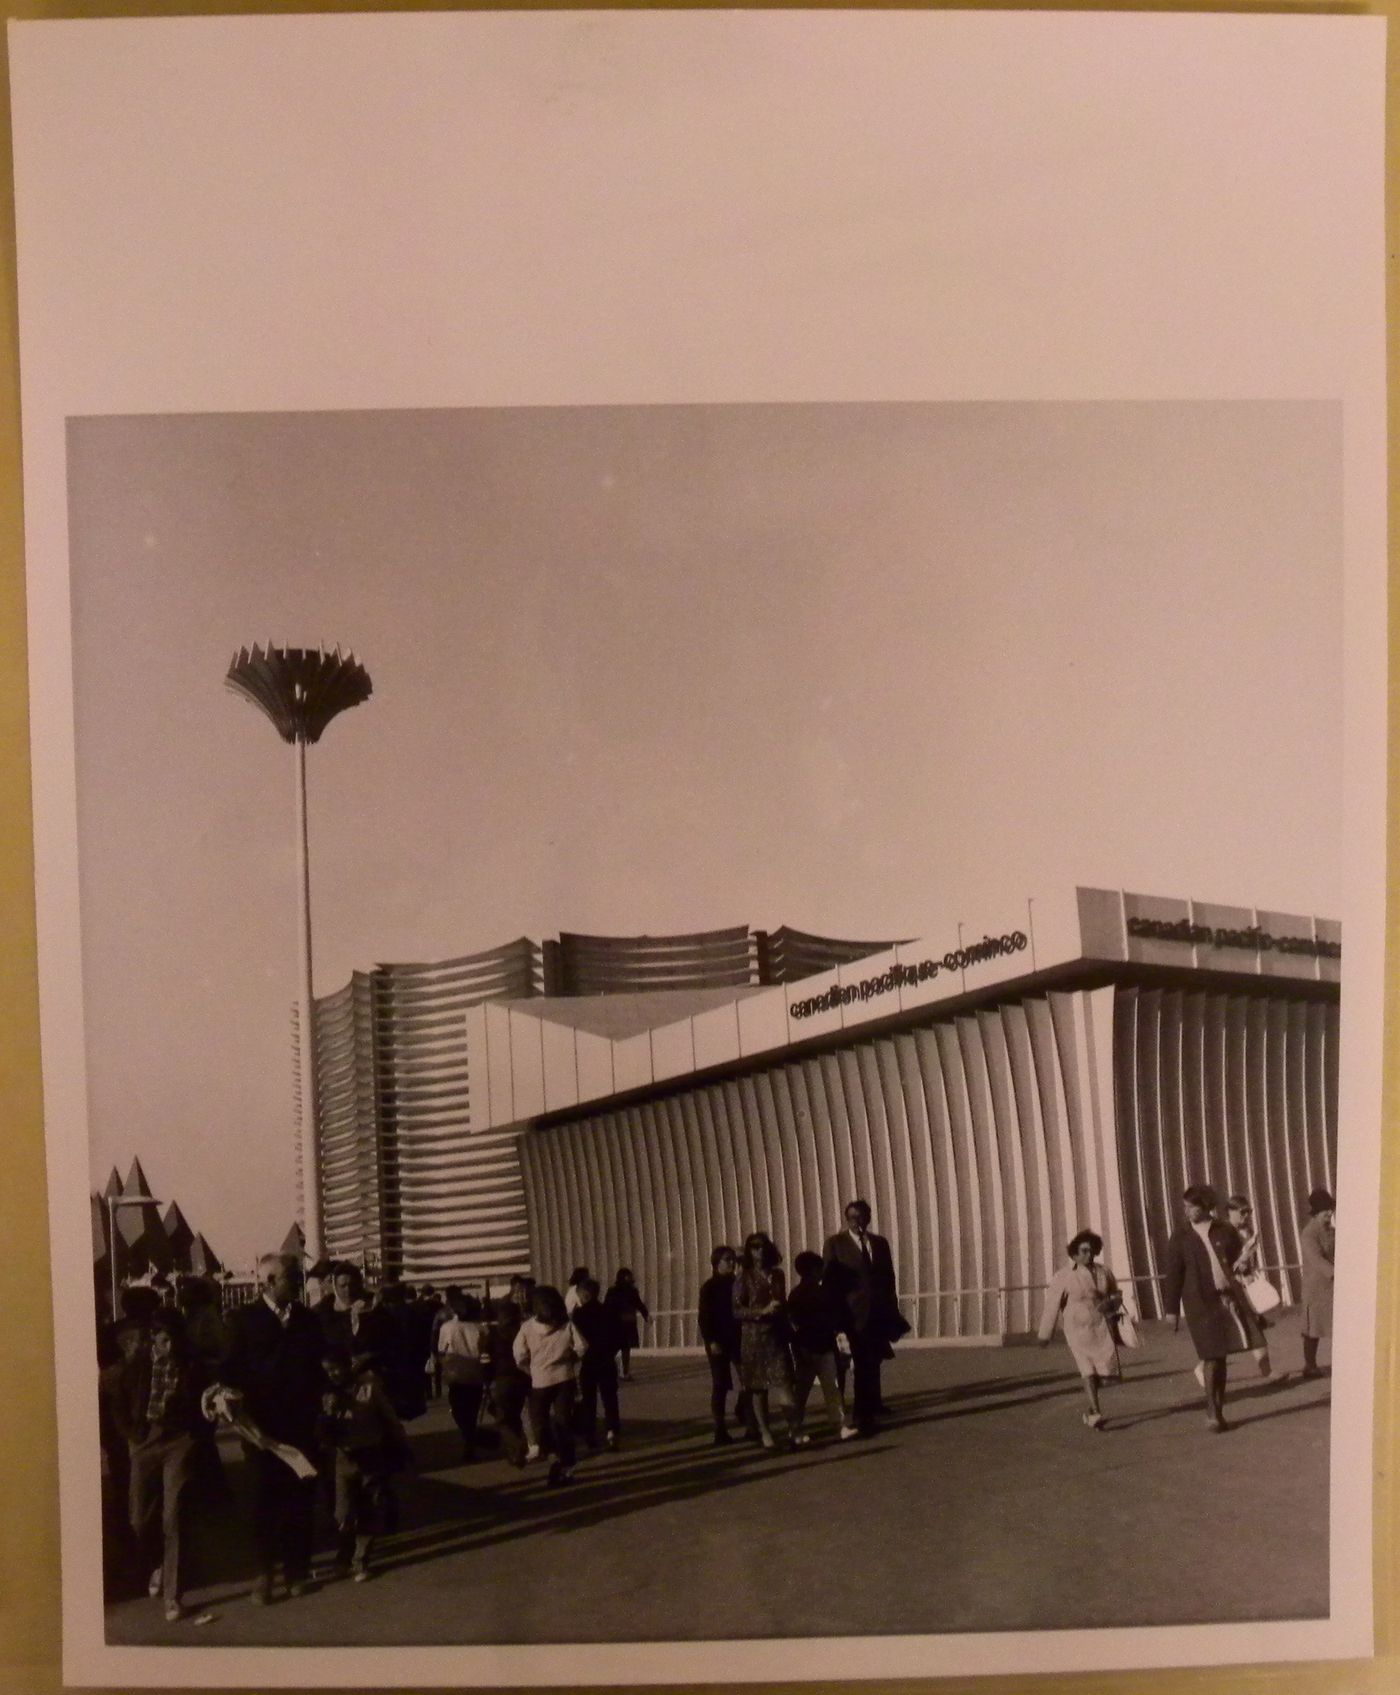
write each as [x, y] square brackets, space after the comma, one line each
[922, 1291]
[757, 1094]
[1042, 1252]
[751, 1206]
[904, 1216]
[717, 1160]
[642, 1255]
[799, 1236]
[804, 1130]
[842, 1141]
[825, 1183]
[618, 1200]
[853, 1096]
[976, 1263]
[879, 1135]
[991, 1199]
[1014, 1309]
[949, 1274]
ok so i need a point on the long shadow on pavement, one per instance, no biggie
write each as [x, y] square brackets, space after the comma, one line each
[658, 1464]
[942, 1405]
[585, 1503]
[1255, 1391]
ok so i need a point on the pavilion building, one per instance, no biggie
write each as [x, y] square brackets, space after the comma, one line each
[991, 1090]
[417, 1181]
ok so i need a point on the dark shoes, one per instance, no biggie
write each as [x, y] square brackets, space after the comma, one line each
[722, 1437]
[296, 1587]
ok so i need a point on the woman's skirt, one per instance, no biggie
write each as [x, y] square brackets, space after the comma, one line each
[765, 1362]
[1091, 1342]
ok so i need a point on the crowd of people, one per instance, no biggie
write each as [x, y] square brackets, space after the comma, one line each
[841, 1317]
[1213, 1277]
[320, 1394]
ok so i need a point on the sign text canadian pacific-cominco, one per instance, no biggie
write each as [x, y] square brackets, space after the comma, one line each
[1255, 939]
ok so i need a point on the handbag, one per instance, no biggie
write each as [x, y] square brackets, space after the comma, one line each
[1109, 1303]
[458, 1369]
[1125, 1331]
[1260, 1293]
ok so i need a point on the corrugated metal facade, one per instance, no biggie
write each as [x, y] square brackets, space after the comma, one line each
[1238, 1090]
[983, 1141]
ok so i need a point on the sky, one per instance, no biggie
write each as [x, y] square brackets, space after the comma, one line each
[665, 668]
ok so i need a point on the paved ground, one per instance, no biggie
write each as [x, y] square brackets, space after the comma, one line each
[984, 1505]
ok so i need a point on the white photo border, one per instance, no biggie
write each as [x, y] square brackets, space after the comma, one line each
[1260, 276]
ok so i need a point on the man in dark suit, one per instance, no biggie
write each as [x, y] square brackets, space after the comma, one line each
[858, 1270]
[273, 1360]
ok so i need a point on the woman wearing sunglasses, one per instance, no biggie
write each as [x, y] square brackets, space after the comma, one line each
[1248, 1264]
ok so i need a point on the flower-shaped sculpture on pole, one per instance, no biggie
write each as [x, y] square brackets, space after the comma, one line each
[301, 690]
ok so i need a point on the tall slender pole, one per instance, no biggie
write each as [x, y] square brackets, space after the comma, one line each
[306, 1032]
[112, 1253]
[300, 690]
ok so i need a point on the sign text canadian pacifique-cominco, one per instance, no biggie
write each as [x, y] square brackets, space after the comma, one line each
[909, 976]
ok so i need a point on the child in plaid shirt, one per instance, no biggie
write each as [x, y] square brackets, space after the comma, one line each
[156, 1403]
[361, 1429]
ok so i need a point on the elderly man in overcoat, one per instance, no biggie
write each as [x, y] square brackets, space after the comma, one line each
[273, 1361]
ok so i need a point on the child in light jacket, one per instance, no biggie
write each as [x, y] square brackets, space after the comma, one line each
[550, 1349]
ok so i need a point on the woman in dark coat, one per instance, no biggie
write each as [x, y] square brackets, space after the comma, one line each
[507, 1385]
[1318, 1241]
[624, 1301]
[1200, 1281]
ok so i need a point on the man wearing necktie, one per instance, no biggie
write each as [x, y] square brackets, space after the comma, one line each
[273, 1360]
[858, 1269]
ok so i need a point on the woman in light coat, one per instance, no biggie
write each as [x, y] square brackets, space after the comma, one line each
[1085, 1297]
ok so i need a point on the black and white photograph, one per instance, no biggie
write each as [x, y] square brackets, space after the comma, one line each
[712, 1022]
[525, 1269]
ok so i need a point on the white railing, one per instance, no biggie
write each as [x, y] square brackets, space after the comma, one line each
[911, 1305]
